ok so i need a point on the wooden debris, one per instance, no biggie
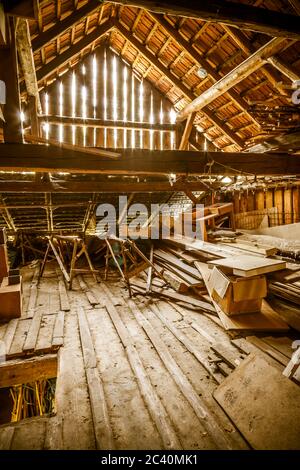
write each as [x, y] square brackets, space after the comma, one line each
[263, 404]
[247, 266]
[205, 306]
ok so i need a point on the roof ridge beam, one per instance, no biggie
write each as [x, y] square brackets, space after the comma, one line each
[262, 20]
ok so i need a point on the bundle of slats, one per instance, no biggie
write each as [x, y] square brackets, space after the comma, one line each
[179, 267]
[286, 285]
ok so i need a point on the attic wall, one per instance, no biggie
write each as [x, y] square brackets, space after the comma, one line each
[286, 200]
[104, 87]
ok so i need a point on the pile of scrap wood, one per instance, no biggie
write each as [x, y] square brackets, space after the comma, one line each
[211, 217]
[286, 285]
[226, 281]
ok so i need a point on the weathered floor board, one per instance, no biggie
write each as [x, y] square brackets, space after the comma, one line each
[131, 374]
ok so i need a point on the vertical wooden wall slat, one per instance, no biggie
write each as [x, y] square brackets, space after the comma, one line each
[278, 202]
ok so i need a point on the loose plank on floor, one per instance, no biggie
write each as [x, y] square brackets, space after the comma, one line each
[201, 411]
[202, 358]
[58, 331]
[103, 431]
[155, 407]
[33, 294]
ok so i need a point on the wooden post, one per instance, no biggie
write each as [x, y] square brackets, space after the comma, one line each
[270, 199]
[288, 211]
[33, 112]
[12, 129]
[260, 200]
[278, 202]
[296, 205]
[187, 132]
[250, 201]
[2, 26]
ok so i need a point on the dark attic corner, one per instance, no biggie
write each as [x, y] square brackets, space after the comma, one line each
[149, 227]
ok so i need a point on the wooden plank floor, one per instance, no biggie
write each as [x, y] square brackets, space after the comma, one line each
[128, 378]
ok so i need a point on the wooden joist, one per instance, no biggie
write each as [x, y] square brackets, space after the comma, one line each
[243, 16]
[106, 124]
[284, 68]
[96, 187]
[240, 38]
[187, 132]
[39, 158]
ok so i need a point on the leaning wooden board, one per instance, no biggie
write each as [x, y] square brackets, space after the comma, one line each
[265, 320]
[248, 265]
[263, 404]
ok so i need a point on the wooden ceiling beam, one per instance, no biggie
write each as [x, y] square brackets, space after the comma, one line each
[177, 82]
[26, 59]
[296, 6]
[21, 8]
[74, 50]
[246, 45]
[236, 14]
[106, 124]
[98, 187]
[239, 73]
[2, 26]
[12, 128]
[284, 68]
[60, 27]
[42, 158]
[200, 60]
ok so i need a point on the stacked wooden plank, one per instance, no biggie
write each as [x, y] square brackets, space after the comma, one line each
[260, 316]
[286, 285]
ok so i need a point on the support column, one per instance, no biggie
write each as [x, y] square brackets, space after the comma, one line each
[12, 129]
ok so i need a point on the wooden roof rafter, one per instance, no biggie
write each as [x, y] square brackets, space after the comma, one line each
[243, 42]
[72, 25]
[243, 70]
[74, 50]
[201, 61]
[176, 81]
[62, 26]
